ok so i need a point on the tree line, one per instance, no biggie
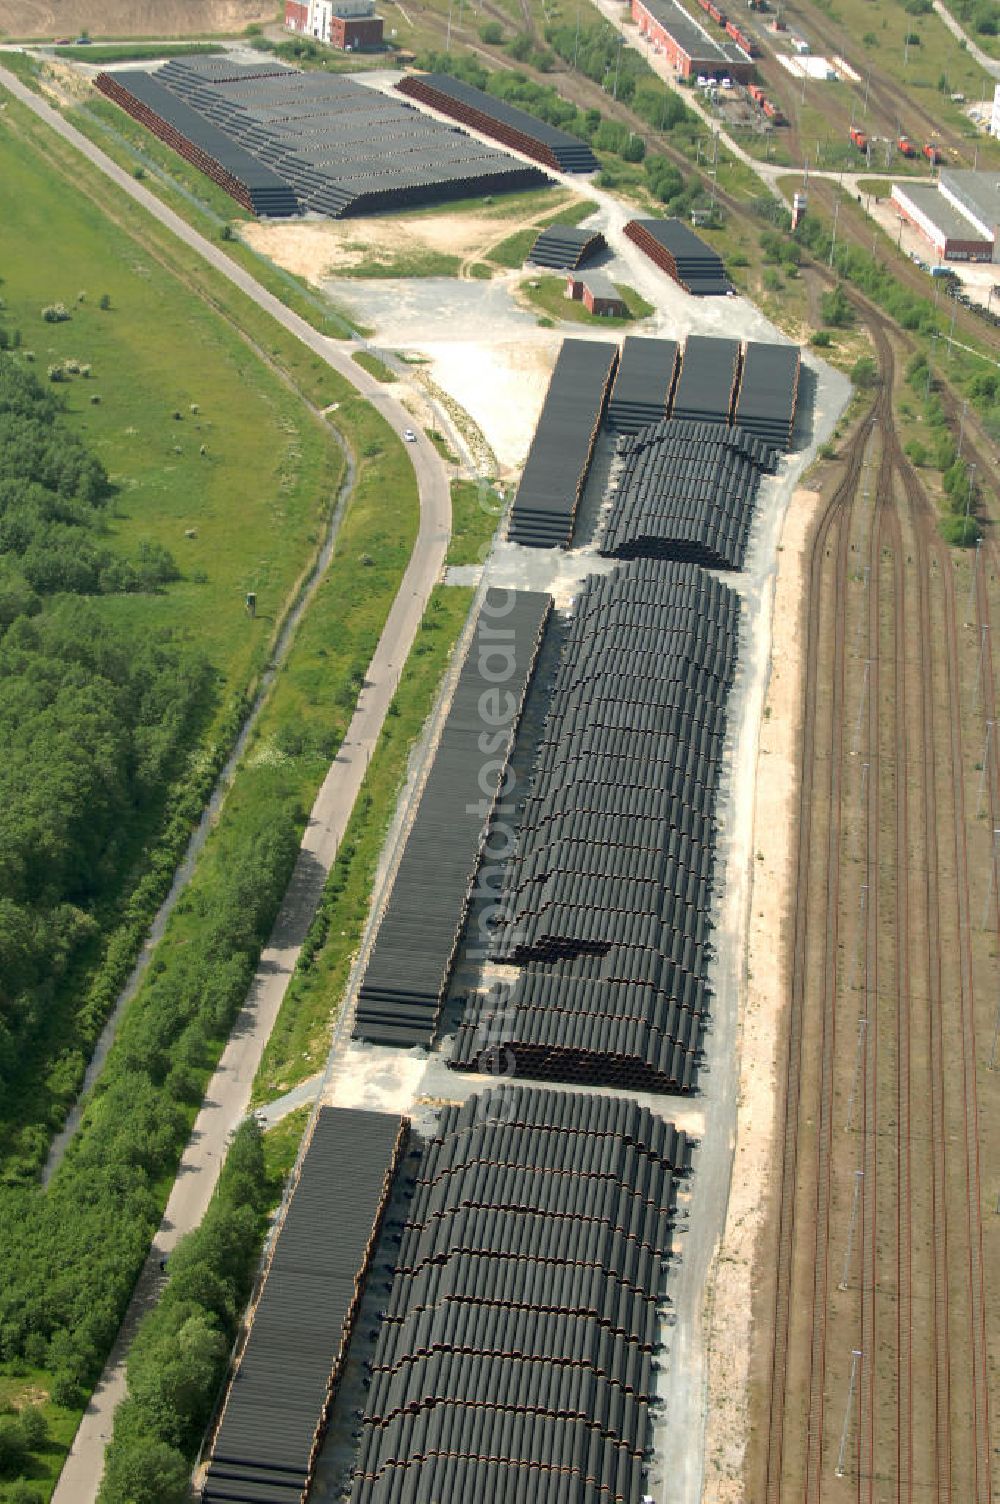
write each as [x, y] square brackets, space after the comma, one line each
[93, 720]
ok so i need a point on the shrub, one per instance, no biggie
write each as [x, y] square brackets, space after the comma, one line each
[822, 339]
[836, 309]
[491, 34]
[13, 1447]
[226, 233]
[105, 301]
[864, 372]
[56, 313]
[34, 1427]
[21, 1492]
[959, 532]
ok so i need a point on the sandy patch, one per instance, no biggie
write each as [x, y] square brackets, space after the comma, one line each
[316, 250]
[730, 1308]
[128, 18]
[502, 388]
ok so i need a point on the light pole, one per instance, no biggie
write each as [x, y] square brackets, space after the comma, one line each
[859, 1176]
[972, 584]
[927, 385]
[989, 891]
[862, 1036]
[984, 629]
[984, 770]
[861, 707]
[855, 1358]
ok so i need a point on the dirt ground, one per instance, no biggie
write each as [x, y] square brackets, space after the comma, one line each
[139, 18]
[730, 1303]
[316, 249]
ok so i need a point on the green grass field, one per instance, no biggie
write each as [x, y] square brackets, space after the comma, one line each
[137, 52]
[198, 434]
[301, 1036]
[475, 515]
[374, 366]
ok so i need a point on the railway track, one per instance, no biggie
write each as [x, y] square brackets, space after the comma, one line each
[831, 540]
[882, 93]
[921, 1353]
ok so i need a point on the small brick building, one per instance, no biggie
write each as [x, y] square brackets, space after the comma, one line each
[597, 293]
[350, 25]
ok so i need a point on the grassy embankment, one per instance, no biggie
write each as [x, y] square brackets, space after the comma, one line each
[135, 52]
[301, 1036]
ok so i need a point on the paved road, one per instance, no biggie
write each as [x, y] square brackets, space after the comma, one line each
[228, 1095]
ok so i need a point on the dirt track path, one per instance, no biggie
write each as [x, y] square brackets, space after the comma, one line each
[228, 1095]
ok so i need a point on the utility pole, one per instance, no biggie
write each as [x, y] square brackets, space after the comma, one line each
[868, 79]
[833, 237]
[855, 1358]
[859, 1176]
[993, 878]
[868, 573]
[930, 352]
[985, 769]
[961, 427]
[576, 48]
[979, 664]
[972, 584]
[862, 1036]
[861, 707]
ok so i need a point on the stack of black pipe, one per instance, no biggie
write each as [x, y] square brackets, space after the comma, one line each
[407, 974]
[686, 490]
[564, 248]
[516, 1361]
[706, 386]
[768, 392]
[558, 462]
[681, 254]
[606, 898]
[643, 385]
[501, 121]
[277, 1404]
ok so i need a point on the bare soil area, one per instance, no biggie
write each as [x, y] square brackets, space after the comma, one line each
[729, 1309]
[316, 249]
[141, 18]
[502, 387]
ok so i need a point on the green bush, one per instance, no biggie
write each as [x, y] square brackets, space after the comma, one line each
[864, 372]
[491, 33]
[822, 339]
[959, 531]
[179, 1357]
[836, 309]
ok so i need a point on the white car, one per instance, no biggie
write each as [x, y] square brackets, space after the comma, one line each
[702, 81]
[409, 436]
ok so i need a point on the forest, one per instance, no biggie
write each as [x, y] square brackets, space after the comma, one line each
[93, 722]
